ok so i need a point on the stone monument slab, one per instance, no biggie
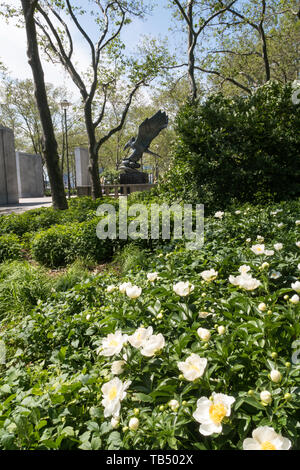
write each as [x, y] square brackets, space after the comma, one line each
[9, 193]
[30, 175]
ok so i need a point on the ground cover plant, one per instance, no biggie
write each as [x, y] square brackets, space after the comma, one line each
[179, 350]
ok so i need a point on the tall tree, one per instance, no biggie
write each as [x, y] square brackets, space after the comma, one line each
[56, 20]
[49, 142]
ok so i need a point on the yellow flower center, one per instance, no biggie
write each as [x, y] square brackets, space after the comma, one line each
[267, 445]
[217, 413]
[113, 393]
[113, 342]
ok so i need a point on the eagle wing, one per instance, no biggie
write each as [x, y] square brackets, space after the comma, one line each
[150, 128]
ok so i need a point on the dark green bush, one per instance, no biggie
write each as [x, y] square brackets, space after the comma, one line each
[10, 247]
[244, 149]
[63, 244]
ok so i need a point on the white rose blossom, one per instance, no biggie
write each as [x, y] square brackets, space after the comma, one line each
[265, 438]
[209, 275]
[133, 292]
[152, 277]
[117, 367]
[204, 334]
[113, 392]
[210, 413]
[174, 405]
[193, 367]
[152, 345]
[258, 249]
[298, 244]
[110, 289]
[244, 269]
[278, 246]
[183, 288]
[133, 424]
[219, 215]
[122, 287]
[140, 336]
[295, 299]
[112, 344]
[296, 286]
[245, 281]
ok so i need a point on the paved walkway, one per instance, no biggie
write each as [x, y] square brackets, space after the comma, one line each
[25, 205]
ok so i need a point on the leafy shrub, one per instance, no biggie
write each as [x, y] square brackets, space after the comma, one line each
[63, 244]
[241, 149]
[10, 247]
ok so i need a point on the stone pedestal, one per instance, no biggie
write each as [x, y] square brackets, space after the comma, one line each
[30, 175]
[83, 177]
[9, 193]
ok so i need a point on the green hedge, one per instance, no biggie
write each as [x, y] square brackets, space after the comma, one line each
[10, 247]
[63, 244]
[245, 149]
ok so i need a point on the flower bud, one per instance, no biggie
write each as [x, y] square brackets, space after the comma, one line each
[275, 376]
[221, 330]
[133, 424]
[136, 411]
[274, 355]
[250, 392]
[262, 307]
[204, 334]
[115, 422]
[266, 397]
[287, 364]
[174, 405]
[287, 396]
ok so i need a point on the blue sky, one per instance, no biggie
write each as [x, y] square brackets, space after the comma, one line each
[13, 51]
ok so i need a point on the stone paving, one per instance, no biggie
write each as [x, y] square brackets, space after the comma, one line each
[25, 205]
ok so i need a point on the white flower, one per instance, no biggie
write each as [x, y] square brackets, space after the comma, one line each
[112, 344]
[244, 269]
[262, 307]
[152, 276]
[113, 393]
[122, 287]
[204, 314]
[258, 249]
[298, 244]
[174, 405]
[203, 334]
[115, 422]
[133, 424]
[238, 212]
[260, 238]
[210, 413]
[117, 367]
[248, 240]
[152, 345]
[265, 438]
[296, 286]
[110, 289]
[183, 288]
[88, 316]
[297, 222]
[140, 336]
[269, 252]
[193, 367]
[133, 291]
[275, 376]
[219, 215]
[278, 246]
[245, 281]
[295, 299]
[298, 266]
[280, 225]
[209, 275]
[266, 397]
[221, 330]
[275, 275]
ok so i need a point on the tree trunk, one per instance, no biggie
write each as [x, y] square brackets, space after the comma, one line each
[191, 53]
[93, 153]
[49, 141]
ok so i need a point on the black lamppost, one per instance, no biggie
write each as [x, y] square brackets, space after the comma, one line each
[64, 106]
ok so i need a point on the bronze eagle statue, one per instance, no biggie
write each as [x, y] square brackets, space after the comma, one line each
[148, 130]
